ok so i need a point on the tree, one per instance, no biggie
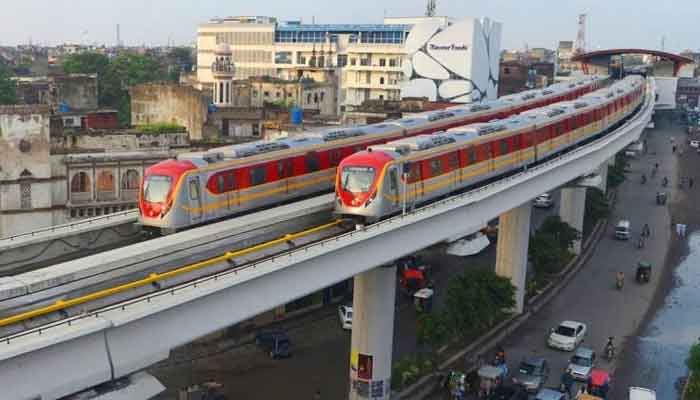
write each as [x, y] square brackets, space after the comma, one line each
[549, 246]
[433, 329]
[597, 206]
[476, 301]
[85, 63]
[8, 87]
[564, 234]
[693, 363]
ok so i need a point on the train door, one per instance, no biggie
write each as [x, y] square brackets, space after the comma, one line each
[195, 196]
[396, 193]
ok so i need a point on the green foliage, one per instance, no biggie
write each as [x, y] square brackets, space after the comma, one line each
[693, 363]
[407, 370]
[616, 173]
[8, 87]
[549, 246]
[433, 330]
[597, 206]
[476, 301]
[115, 76]
[158, 128]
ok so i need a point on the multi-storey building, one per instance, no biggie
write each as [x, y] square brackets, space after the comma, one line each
[364, 60]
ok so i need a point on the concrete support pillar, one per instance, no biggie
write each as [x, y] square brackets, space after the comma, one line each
[572, 209]
[511, 250]
[372, 334]
[603, 172]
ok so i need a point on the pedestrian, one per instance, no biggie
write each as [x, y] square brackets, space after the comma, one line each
[690, 181]
[317, 395]
[673, 148]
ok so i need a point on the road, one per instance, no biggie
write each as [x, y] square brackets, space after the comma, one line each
[321, 348]
[591, 296]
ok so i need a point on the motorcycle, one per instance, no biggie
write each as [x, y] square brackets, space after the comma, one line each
[619, 282]
[644, 179]
[609, 352]
[664, 183]
[640, 242]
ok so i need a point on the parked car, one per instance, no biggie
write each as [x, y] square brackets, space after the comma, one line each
[532, 373]
[622, 230]
[544, 201]
[695, 144]
[581, 363]
[567, 335]
[551, 394]
[345, 315]
[509, 393]
[275, 343]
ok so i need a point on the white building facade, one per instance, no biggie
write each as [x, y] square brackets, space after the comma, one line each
[452, 60]
[367, 61]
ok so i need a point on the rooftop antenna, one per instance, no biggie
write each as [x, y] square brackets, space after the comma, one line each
[430, 8]
[663, 43]
[119, 36]
[580, 44]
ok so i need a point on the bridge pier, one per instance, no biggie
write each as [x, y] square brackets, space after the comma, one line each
[511, 249]
[572, 209]
[372, 334]
[603, 172]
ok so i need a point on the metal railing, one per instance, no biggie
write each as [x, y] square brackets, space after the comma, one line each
[71, 225]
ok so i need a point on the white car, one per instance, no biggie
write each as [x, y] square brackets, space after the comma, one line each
[544, 201]
[567, 335]
[695, 143]
[345, 315]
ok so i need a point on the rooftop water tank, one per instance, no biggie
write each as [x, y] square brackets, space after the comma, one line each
[297, 115]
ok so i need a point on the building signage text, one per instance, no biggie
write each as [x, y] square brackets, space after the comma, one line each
[449, 47]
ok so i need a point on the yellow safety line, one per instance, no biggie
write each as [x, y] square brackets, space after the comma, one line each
[63, 304]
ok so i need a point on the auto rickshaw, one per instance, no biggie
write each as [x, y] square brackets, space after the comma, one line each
[643, 272]
[491, 377]
[598, 383]
[586, 396]
[423, 299]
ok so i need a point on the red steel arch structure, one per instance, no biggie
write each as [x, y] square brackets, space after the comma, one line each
[586, 58]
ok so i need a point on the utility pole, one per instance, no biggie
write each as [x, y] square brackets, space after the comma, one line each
[430, 8]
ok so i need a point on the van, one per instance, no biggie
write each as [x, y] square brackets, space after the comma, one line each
[640, 393]
[622, 230]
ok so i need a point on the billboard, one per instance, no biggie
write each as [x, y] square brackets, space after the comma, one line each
[456, 62]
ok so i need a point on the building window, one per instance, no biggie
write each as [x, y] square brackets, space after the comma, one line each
[278, 95]
[315, 98]
[301, 60]
[381, 80]
[308, 98]
[342, 60]
[105, 181]
[382, 62]
[80, 183]
[353, 61]
[25, 189]
[392, 62]
[130, 180]
[266, 94]
[381, 97]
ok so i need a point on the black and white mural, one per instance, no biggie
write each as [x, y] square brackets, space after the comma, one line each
[457, 62]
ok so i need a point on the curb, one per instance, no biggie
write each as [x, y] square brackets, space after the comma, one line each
[428, 383]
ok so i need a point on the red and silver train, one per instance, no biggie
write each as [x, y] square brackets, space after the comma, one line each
[196, 188]
[385, 178]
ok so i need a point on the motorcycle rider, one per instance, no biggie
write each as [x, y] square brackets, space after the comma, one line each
[620, 279]
[646, 231]
[644, 178]
[610, 347]
[665, 181]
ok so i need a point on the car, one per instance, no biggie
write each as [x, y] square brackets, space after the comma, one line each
[275, 343]
[551, 394]
[345, 315]
[581, 363]
[695, 144]
[544, 201]
[640, 393]
[507, 392]
[532, 374]
[567, 335]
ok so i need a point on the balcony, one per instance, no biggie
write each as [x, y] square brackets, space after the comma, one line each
[80, 197]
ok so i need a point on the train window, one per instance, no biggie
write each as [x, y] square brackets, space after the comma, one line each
[516, 142]
[283, 169]
[504, 147]
[220, 184]
[194, 189]
[257, 176]
[393, 181]
[472, 155]
[559, 129]
[231, 181]
[574, 123]
[312, 163]
[335, 157]
[435, 167]
[453, 160]
[414, 172]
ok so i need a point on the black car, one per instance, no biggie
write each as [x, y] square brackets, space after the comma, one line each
[509, 393]
[275, 343]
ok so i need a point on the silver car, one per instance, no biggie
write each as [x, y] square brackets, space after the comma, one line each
[582, 363]
[532, 373]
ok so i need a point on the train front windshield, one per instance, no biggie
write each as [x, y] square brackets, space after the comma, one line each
[357, 179]
[156, 188]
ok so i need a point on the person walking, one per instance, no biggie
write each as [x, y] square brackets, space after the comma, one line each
[317, 395]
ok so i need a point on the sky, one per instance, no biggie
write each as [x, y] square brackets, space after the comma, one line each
[535, 23]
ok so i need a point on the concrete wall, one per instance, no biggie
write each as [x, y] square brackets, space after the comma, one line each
[78, 91]
[117, 142]
[172, 103]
